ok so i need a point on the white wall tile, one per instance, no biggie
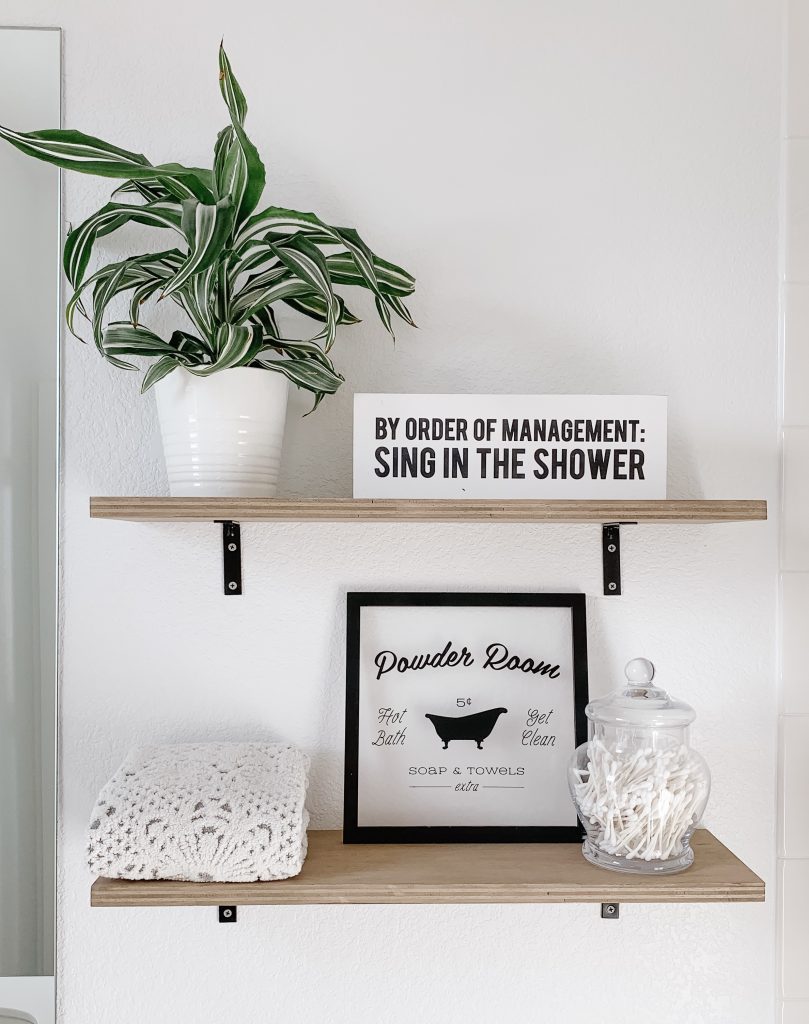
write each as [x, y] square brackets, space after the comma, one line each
[795, 1012]
[795, 644]
[797, 96]
[796, 235]
[794, 731]
[795, 521]
[794, 826]
[796, 354]
[795, 929]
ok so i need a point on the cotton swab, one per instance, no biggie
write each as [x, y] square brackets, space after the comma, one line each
[644, 803]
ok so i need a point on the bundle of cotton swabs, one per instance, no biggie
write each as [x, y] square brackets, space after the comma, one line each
[644, 802]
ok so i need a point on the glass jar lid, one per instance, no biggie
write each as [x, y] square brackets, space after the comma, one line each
[640, 703]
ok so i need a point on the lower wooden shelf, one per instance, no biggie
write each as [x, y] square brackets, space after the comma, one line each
[473, 873]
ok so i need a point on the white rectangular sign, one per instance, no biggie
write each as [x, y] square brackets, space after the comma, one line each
[509, 446]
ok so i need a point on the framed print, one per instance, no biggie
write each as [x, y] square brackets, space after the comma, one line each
[462, 713]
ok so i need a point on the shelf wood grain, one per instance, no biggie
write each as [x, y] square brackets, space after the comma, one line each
[473, 873]
[349, 510]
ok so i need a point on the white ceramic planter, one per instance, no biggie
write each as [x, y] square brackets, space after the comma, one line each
[223, 434]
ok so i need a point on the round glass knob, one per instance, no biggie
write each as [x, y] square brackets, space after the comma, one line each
[640, 670]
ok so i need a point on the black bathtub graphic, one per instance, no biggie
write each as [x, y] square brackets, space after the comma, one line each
[467, 727]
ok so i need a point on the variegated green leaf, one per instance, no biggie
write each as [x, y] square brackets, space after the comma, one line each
[256, 282]
[183, 183]
[306, 373]
[211, 228]
[224, 141]
[221, 290]
[75, 151]
[392, 279]
[155, 271]
[235, 345]
[157, 371]
[365, 263]
[248, 303]
[319, 396]
[399, 308]
[240, 172]
[193, 349]
[305, 261]
[196, 298]
[142, 293]
[140, 270]
[120, 278]
[315, 307]
[80, 241]
[244, 262]
[304, 349]
[123, 339]
[163, 188]
[265, 319]
[230, 89]
[243, 175]
[126, 339]
[188, 220]
[151, 191]
[283, 222]
[363, 258]
[104, 291]
[384, 316]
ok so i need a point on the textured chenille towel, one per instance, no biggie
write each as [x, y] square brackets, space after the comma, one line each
[203, 812]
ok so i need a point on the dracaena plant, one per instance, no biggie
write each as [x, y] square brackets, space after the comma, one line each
[226, 265]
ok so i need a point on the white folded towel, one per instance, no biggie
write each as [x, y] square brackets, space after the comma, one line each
[203, 812]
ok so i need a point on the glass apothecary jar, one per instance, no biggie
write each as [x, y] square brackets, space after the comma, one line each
[639, 788]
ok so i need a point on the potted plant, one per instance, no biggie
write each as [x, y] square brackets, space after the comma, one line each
[222, 377]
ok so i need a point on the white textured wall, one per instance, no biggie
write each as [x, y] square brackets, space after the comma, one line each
[588, 196]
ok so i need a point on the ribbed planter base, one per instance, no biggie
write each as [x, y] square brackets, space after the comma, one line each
[223, 434]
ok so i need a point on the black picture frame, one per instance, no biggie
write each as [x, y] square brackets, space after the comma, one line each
[356, 601]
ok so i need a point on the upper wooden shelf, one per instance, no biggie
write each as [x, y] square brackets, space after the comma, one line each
[468, 873]
[423, 511]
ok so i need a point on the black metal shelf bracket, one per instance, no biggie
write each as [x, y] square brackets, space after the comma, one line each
[610, 911]
[231, 556]
[611, 557]
[227, 915]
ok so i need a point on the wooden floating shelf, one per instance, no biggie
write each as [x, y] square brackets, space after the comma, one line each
[349, 510]
[473, 873]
